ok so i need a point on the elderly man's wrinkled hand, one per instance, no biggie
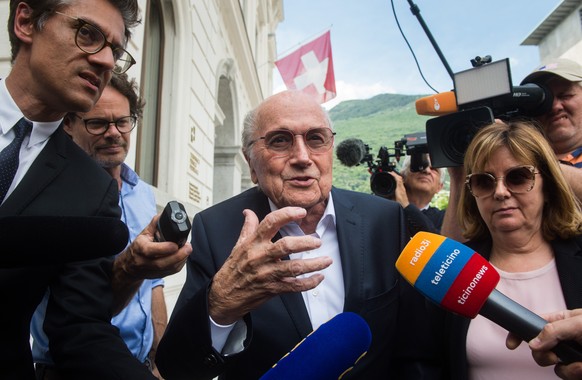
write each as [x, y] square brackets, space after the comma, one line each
[256, 270]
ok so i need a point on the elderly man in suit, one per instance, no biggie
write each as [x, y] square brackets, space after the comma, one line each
[272, 264]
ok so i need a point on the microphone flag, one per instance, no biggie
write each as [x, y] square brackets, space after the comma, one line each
[447, 272]
[463, 282]
[310, 69]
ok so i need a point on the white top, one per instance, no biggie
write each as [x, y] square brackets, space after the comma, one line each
[539, 291]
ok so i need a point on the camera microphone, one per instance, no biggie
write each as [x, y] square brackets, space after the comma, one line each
[435, 105]
[351, 152]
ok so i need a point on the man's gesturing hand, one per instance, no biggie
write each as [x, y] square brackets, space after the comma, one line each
[255, 270]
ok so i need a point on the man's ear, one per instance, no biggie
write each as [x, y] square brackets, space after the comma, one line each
[23, 24]
[253, 172]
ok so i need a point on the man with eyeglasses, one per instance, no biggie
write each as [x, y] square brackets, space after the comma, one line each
[61, 62]
[104, 133]
[272, 264]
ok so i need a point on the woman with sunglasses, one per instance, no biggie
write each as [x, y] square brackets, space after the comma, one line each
[518, 211]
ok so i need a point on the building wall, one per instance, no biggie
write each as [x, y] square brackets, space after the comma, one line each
[213, 63]
[560, 34]
[565, 41]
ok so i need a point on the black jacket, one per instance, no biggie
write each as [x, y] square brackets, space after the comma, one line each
[371, 234]
[63, 181]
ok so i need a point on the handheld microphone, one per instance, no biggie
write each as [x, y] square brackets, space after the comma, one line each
[350, 152]
[327, 353]
[26, 239]
[436, 105]
[462, 281]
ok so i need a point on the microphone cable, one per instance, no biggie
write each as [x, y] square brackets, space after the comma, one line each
[410, 48]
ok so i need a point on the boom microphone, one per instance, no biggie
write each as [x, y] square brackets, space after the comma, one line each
[462, 281]
[26, 239]
[327, 353]
[350, 152]
[436, 105]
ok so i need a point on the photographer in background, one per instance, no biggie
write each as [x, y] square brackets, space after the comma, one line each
[415, 190]
[563, 123]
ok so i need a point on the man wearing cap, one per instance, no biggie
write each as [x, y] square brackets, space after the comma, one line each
[563, 123]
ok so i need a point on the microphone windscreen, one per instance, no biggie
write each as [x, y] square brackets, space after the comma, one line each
[448, 273]
[47, 240]
[350, 152]
[435, 105]
[326, 353]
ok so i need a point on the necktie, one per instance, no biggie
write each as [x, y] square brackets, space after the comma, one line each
[9, 156]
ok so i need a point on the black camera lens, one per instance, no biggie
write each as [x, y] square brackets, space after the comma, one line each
[383, 184]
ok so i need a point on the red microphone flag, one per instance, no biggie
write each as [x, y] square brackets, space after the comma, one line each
[310, 69]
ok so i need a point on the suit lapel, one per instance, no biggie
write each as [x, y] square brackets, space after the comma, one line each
[49, 163]
[293, 302]
[351, 246]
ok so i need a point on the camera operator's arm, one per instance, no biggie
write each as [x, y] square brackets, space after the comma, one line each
[400, 195]
[415, 220]
[574, 178]
[451, 227]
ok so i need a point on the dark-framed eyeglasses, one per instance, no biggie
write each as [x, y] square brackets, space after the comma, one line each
[518, 180]
[280, 141]
[98, 127]
[91, 40]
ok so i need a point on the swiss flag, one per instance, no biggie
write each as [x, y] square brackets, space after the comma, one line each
[310, 69]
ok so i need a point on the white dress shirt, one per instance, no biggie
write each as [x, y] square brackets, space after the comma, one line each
[32, 145]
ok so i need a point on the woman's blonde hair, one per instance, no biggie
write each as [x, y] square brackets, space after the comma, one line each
[527, 143]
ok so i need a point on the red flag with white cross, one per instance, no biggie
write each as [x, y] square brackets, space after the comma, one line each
[310, 69]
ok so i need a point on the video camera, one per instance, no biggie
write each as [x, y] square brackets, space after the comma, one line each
[482, 94]
[353, 152]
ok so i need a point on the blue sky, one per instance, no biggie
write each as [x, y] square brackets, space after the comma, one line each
[371, 57]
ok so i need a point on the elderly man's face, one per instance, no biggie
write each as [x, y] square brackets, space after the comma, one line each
[298, 176]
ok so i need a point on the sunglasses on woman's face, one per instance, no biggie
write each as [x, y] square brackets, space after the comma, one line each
[517, 180]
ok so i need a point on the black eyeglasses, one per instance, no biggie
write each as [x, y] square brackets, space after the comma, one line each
[518, 180]
[91, 40]
[317, 140]
[98, 127]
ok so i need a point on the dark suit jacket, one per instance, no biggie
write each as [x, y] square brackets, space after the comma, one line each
[371, 234]
[63, 181]
[430, 220]
[454, 328]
